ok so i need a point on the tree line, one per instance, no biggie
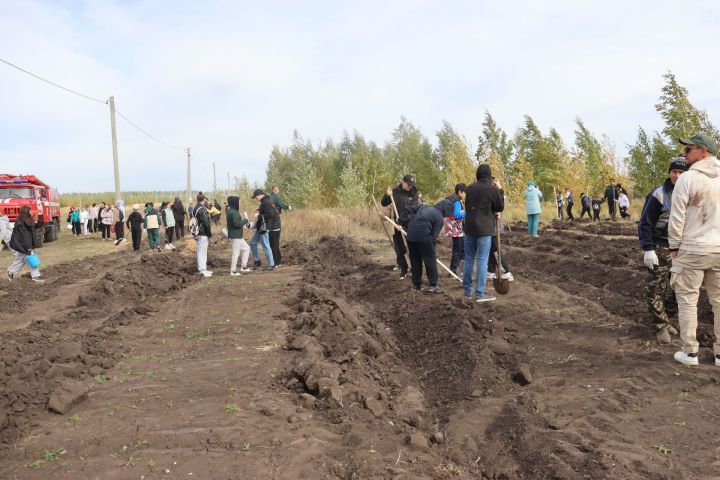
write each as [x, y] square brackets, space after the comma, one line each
[348, 171]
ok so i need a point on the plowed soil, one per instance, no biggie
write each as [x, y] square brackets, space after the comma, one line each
[332, 367]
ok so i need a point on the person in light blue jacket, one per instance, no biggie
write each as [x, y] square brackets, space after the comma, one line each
[533, 195]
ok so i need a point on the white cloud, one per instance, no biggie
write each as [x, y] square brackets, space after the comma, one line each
[230, 79]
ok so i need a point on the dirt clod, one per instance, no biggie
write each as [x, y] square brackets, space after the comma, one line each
[66, 395]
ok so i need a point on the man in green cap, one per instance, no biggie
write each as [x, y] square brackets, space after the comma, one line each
[694, 239]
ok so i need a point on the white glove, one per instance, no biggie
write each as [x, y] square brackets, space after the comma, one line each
[651, 259]
[289, 207]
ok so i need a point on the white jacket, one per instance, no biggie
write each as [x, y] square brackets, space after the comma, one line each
[694, 216]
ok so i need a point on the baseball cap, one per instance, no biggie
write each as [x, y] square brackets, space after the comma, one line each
[409, 179]
[257, 192]
[678, 164]
[701, 140]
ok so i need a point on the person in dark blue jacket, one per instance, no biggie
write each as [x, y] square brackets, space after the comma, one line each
[424, 223]
[585, 202]
[653, 234]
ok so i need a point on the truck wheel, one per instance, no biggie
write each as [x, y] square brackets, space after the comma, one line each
[39, 237]
[51, 233]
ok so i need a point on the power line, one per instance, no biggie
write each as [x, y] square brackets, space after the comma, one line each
[146, 133]
[53, 83]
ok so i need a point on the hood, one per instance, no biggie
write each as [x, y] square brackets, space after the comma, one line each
[531, 184]
[234, 202]
[453, 197]
[709, 166]
[445, 207]
[483, 172]
[530, 188]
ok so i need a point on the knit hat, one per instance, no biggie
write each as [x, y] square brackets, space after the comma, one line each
[678, 164]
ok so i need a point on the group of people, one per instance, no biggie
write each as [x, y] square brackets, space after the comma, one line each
[104, 218]
[265, 221]
[679, 232]
[470, 217]
[615, 195]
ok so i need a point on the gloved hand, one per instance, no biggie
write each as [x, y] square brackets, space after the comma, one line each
[651, 259]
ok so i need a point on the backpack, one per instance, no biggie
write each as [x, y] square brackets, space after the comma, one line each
[261, 224]
[194, 226]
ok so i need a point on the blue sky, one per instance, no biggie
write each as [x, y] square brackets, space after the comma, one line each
[232, 78]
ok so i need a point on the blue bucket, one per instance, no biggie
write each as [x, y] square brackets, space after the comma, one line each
[33, 260]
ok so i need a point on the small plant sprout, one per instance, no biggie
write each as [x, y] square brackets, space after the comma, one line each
[231, 408]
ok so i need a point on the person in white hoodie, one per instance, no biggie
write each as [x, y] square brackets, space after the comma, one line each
[694, 238]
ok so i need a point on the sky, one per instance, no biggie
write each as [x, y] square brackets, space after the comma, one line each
[230, 79]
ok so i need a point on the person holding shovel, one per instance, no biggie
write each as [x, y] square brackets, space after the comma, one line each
[483, 201]
[403, 195]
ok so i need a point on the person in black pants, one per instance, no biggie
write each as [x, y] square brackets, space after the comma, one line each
[570, 198]
[596, 204]
[178, 210]
[422, 233]
[585, 203]
[404, 195]
[135, 224]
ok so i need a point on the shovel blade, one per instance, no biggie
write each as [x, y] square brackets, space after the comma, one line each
[501, 285]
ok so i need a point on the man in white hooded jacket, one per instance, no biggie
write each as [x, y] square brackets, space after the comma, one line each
[694, 238]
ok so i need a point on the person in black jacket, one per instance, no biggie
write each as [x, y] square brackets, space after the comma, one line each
[596, 205]
[424, 223]
[178, 210]
[653, 234]
[483, 201]
[135, 224]
[266, 219]
[22, 243]
[404, 194]
[202, 217]
[585, 203]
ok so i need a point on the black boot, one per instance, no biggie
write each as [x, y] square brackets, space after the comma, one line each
[257, 265]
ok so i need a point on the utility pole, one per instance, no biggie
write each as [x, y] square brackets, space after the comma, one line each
[214, 182]
[228, 190]
[189, 179]
[116, 168]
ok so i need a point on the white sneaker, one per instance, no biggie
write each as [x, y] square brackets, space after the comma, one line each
[206, 273]
[688, 358]
[491, 276]
[717, 360]
[245, 270]
[235, 274]
[507, 276]
[168, 246]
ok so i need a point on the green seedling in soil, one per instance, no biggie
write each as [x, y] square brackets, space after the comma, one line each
[231, 408]
[140, 444]
[132, 407]
[684, 394]
[681, 424]
[121, 451]
[238, 331]
[192, 335]
[72, 420]
[275, 284]
[119, 379]
[251, 405]
[246, 447]
[171, 326]
[214, 312]
[52, 455]
[35, 464]
[100, 378]
[170, 404]
[144, 356]
[699, 377]
[152, 465]
[246, 317]
[663, 449]
[130, 462]
[535, 335]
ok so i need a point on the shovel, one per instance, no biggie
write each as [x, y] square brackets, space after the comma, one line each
[501, 285]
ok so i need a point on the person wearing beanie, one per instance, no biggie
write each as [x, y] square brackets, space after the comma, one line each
[694, 240]
[201, 216]
[236, 226]
[405, 194]
[533, 195]
[483, 203]
[653, 234]
[152, 225]
[265, 220]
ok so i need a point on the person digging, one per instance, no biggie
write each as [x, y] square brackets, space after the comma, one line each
[401, 196]
[653, 234]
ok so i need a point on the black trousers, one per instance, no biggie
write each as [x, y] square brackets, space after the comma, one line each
[458, 252]
[105, 229]
[569, 211]
[400, 251]
[169, 233]
[624, 213]
[76, 228]
[611, 209]
[119, 230]
[423, 252]
[275, 246]
[596, 215]
[136, 233]
[492, 259]
[584, 211]
[561, 214]
[179, 229]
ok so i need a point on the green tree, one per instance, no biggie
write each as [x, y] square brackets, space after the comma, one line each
[453, 153]
[494, 141]
[351, 192]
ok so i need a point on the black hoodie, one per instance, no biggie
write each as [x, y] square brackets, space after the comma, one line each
[482, 201]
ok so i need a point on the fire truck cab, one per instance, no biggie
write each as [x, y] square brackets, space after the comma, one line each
[44, 202]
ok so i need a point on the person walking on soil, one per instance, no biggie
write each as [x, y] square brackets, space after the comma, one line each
[404, 194]
[168, 219]
[93, 218]
[134, 223]
[560, 203]
[570, 199]
[178, 210]
[75, 221]
[236, 225]
[653, 234]
[694, 239]
[424, 224]
[280, 205]
[454, 226]
[22, 243]
[596, 205]
[533, 195]
[152, 225]
[118, 217]
[107, 220]
[483, 201]
[265, 220]
[84, 222]
[201, 215]
[5, 231]
[585, 204]
[623, 203]
[611, 195]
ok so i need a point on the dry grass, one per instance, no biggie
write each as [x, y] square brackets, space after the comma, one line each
[307, 224]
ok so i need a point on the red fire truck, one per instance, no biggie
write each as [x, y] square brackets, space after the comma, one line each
[44, 202]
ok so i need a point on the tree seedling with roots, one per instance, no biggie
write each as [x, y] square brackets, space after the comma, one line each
[231, 408]
[663, 449]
